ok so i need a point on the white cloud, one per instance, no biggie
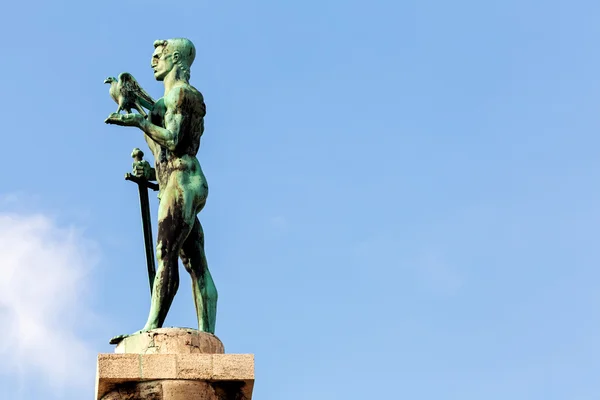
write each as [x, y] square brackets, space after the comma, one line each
[43, 288]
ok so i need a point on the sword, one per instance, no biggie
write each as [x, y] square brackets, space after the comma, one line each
[143, 186]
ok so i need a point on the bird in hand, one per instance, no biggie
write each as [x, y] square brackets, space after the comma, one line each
[128, 94]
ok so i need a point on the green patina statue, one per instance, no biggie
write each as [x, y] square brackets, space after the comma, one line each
[172, 130]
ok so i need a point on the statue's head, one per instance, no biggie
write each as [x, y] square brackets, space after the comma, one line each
[173, 54]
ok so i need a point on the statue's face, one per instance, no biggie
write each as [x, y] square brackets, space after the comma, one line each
[162, 63]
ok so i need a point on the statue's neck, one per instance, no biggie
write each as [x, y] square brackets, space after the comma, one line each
[174, 78]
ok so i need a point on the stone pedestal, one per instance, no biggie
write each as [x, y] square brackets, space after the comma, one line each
[174, 364]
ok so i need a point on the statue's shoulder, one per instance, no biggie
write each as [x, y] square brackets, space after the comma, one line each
[192, 91]
[183, 93]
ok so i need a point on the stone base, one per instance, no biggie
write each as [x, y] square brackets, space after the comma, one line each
[171, 341]
[174, 364]
[171, 390]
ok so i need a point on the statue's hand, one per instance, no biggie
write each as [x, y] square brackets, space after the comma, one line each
[125, 119]
[142, 169]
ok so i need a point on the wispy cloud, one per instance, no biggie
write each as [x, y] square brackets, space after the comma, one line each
[43, 285]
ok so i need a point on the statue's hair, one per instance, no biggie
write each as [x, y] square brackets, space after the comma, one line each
[186, 50]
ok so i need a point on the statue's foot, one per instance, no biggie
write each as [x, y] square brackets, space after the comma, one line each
[119, 338]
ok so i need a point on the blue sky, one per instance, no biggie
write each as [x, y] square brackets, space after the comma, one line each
[404, 197]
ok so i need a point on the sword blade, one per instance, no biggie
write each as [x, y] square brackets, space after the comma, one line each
[143, 186]
[147, 227]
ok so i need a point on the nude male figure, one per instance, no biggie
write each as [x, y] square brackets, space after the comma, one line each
[172, 131]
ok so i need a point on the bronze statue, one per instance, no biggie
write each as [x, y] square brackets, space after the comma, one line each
[172, 130]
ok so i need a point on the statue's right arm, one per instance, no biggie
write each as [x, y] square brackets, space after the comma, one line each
[151, 175]
[154, 147]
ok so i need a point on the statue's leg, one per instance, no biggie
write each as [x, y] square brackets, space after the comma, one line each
[175, 222]
[203, 286]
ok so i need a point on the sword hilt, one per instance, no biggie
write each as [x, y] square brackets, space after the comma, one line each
[141, 181]
[138, 156]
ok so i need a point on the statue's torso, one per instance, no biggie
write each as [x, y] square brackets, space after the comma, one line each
[183, 157]
[193, 110]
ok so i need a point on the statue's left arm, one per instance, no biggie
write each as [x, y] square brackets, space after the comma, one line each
[169, 136]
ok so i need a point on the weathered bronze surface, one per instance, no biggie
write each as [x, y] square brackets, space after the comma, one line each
[172, 129]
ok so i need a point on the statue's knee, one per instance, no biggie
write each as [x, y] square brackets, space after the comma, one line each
[163, 253]
[160, 252]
